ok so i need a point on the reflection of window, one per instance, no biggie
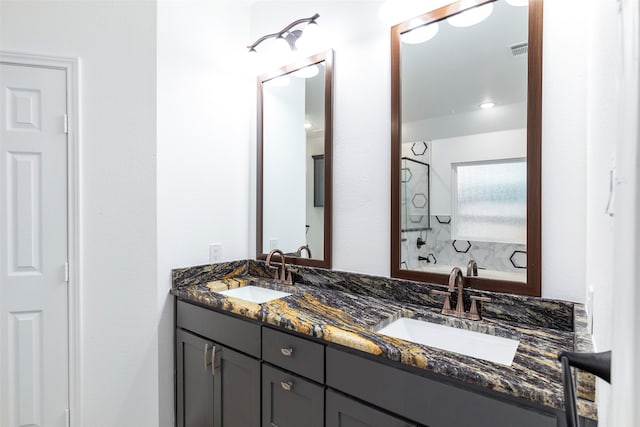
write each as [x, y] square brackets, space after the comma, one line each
[490, 201]
[318, 180]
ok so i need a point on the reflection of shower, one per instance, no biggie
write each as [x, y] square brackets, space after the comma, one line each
[416, 201]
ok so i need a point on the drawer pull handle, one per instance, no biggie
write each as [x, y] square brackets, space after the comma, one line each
[286, 351]
[213, 360]
[206, 362]
[286, 385]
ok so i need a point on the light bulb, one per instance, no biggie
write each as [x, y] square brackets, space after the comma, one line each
[395, 11]
[310, 37]
[420, 34]
[518, 2]
[307, 72]
[471, 16]
[280, 81]
[487, 105]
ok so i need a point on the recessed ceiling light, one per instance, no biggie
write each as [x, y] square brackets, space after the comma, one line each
[471, 16]
[487, 105]
[307, 125]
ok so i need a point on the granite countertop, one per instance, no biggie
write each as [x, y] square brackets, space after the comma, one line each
[350, 319]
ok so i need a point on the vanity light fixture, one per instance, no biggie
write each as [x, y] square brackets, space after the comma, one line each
[471, 16]
[290, 35]
[420, 34]
[487, 105]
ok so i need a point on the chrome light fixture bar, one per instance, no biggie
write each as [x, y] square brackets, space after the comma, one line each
[287, 33]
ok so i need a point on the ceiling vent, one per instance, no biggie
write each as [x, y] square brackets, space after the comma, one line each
[519, 49]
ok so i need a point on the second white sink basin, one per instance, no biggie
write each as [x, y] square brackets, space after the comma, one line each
[255, 294]
[470, 343]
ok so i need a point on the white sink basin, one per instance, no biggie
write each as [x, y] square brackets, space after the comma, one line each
[475, 344]
[255, 294]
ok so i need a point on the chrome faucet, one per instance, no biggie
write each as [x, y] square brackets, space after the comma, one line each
[472, 268]
[303, 248]
[283, 268]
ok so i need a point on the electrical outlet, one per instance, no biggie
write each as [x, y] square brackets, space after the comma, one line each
[215, 252]
[273, 244]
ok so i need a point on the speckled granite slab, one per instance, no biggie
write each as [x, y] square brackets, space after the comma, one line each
[347, 309]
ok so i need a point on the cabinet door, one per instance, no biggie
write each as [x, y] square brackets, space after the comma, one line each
[194, 381]
[237, 389]
[343, 411]
[289, 400]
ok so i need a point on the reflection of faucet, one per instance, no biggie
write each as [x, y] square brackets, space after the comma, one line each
[472, 267]
[303, 248]
[284, 265]
[456, 279]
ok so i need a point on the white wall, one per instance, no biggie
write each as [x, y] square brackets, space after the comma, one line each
[502, 145]
[205, 97]
[115, 42]
[315, 215]
[362, 136]
[603, 99]
[284, 178]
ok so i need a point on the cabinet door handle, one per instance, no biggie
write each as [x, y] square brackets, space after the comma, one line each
[206, 350]
[286, 386]
[213, 360]
[288, 351]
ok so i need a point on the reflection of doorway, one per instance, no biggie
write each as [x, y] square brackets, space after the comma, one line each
[35, 244]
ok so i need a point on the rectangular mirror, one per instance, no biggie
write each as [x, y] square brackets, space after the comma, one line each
[466, 107]
[294, 161]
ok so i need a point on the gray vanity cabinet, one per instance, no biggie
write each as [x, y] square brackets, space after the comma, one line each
[262, 376]
[215, 385]
[343, 411]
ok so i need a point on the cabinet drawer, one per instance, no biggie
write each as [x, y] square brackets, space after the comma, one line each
[342, 411]
[222, 328]
[289, 400]
[294, 354]
[424, 400]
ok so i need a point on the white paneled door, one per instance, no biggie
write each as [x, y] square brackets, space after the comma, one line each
[34, 357]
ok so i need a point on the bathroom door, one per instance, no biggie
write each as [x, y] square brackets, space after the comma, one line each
[34, 356]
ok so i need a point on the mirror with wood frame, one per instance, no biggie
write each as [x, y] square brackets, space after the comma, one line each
[466, 137]
[294, 162]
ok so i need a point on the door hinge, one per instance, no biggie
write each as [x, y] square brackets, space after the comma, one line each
[67, 415]
[66, 272]
[65, 123]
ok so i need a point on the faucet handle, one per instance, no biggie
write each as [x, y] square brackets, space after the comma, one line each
[275, 269]
[473, 311]
[289, 276]
[447, 301]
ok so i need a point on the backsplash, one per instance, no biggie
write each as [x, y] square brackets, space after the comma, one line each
[532, 311]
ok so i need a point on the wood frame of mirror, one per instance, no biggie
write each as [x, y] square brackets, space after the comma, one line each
[534, 140]
[327, 58]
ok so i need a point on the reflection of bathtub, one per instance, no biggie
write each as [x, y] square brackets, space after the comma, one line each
[487, 274]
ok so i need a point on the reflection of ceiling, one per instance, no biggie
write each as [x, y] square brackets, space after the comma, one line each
[462, 67]
[314, 101]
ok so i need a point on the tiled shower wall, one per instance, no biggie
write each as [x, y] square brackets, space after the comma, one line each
[441, 249]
